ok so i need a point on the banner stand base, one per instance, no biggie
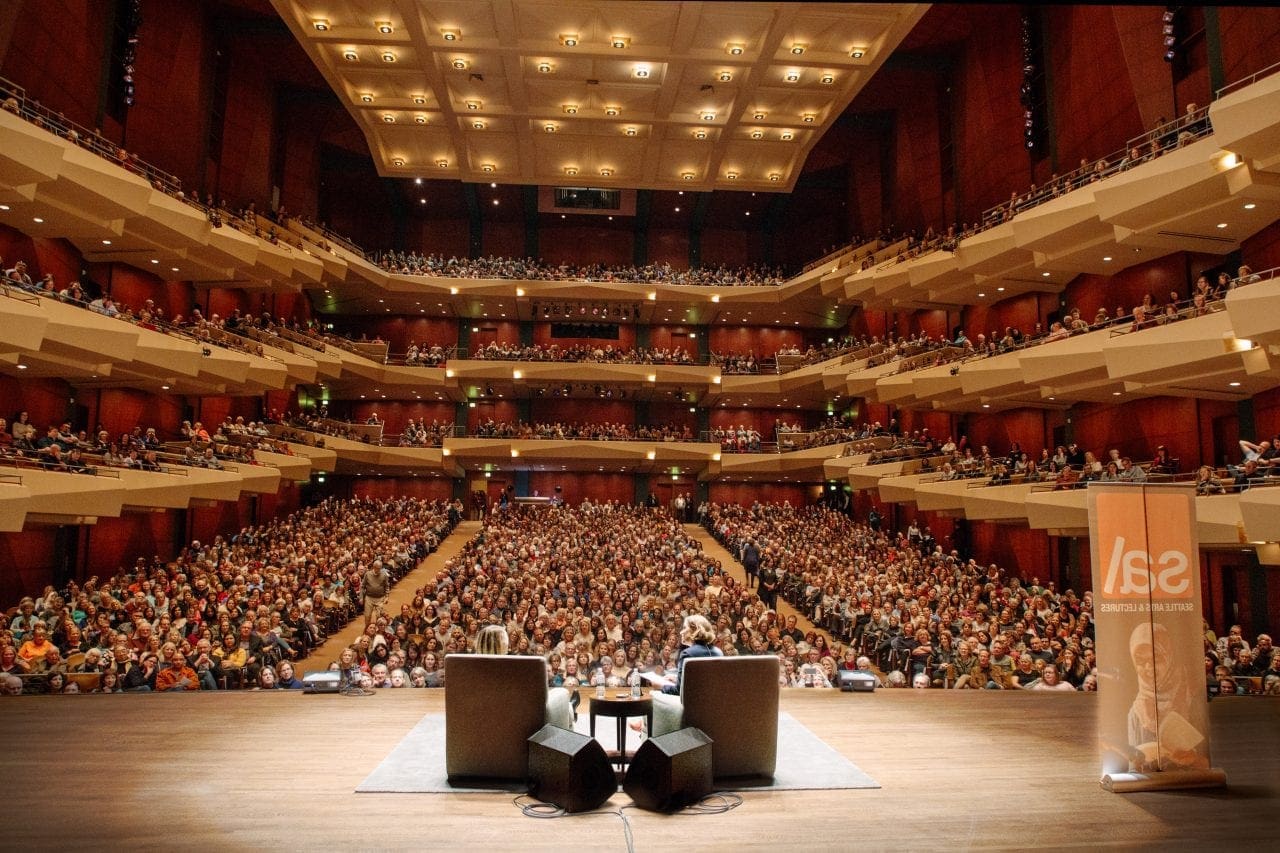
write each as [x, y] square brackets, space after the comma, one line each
[1169, 780]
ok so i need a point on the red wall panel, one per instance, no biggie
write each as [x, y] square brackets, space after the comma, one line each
[626, 336]
[499, 411]
[575, 487]
[44, 401]
[121, 409]
[400, 331]
[504, 239]
[1250, 39]
[56, 53]
[762, 341]
[1031, 428]
[669, 246]
[486, 331]
[395, 413]
[1125, 289]
[1137, 428]
[586, 242]
[571, 411]
[745, 494]
[26, 563]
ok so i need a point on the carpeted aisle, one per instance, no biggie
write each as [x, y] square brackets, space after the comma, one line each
[805, 761]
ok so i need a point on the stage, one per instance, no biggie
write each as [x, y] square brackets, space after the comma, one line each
[975, 769]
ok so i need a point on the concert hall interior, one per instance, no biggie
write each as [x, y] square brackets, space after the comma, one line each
[333, 330]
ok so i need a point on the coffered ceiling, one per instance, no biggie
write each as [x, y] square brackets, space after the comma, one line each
[662, 95]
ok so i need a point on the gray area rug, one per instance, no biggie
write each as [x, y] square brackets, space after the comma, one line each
[416, 765]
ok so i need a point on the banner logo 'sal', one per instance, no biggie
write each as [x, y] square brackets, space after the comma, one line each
[1155, 566]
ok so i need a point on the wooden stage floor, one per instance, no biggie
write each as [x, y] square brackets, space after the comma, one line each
[959, 771]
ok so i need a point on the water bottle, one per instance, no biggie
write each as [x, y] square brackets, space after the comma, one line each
[599, 679]
[634, 679]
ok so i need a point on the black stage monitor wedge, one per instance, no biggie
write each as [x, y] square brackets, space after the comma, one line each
[671, 771]
[857, 681]
[569, 769]
[321, 681]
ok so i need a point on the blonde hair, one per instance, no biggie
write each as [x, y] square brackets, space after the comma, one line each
[697, 629]
[492, 640]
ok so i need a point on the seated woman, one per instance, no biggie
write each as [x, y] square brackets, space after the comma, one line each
[697, 637]
[493, 640]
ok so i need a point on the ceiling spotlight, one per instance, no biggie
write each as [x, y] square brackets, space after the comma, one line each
[419, 99]
[642, 72]
[544, 67]
[688, 176]
[792, 76]
[699, 134]
[757, 134]
[549, 128]
[473, 105]
[569, 39]
[442, 163]
[726, 76]
[460, 64]
[1250, 206]
[775, 177]
[787, 136]
[389, 118]
[1046, 275]
[367, 98]
[106, 242]
[827, 79]
[571, 109]
[708, 116]
[486, 167]
[388, 56]
[1222, 225]
[385, 28]
[611, 111]
[571, 170]
[631, 131]
[37, 220]
[758, 116]
[857, 53]
[809, 118]
[733, 176]
[321, 24]
[734, 49]
[606, 173]
[398, 161]
[350, 56]
[450, 34]
[1107, 258]
[477, 124]
[798, 48]
[620, 41]
[420, 119]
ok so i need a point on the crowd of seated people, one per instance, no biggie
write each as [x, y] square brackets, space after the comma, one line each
[528, 269]
[426, 355]
[421, 434]
[909, 606]
[235, 612]
[582, 431]
[582, 353]
[317, 422]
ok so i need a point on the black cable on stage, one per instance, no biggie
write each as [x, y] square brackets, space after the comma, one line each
[714, 803]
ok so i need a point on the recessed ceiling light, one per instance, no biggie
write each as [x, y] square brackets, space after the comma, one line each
[173, 269]
[1222, 225]
[155, 260]
[487, 167]
[758, 116]
[1045, 274]
[809, 118]
[22, 367]
[442, 163]
[571, 170]
[388, 56]
[620, 41]
[733, 176]
[827, 79]
[726, 76]
[1234, 384]
[418, 99]
[4, 207]
[420, 119]
[385, 28]
[549, 128]
[106, 242]
[677, 210]
[688, 176]
[775, 177]
[494, 186]
[642, 72]
[708, 116]
[389, 118]
[699, 134]
[986, 405]
[798, 48]
[422, 201]
[757, 134]
[450, 34]
[477, 124]
[544, 67]
[37, 219]
[857, 53]
[734, 49]
[495, 204]
[631, 131]
[611, 111]
[321, 24]
[1107, 258]
[999, 290]
[569, 39]
[473, 105]
[792, 76]
[571, 109]
[398, 161]
[350, 56]
[460, 64]
[606, 173]
[1250, 206]
[164, 387]
[1115, 393]
[787, 136]
[367, 98]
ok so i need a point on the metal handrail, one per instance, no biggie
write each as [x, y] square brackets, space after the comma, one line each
[1245, 81]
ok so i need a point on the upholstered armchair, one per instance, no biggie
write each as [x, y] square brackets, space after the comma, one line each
[734, 700]
[492, 704]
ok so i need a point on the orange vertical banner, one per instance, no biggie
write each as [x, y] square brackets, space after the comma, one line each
[1153, 715]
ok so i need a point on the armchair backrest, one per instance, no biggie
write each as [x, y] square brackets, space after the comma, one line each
[492, 704]
[735, 701]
